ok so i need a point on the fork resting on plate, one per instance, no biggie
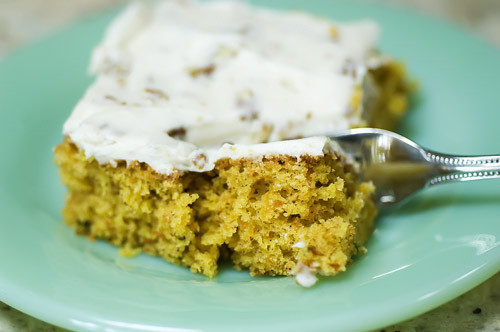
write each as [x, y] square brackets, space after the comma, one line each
[399, 167]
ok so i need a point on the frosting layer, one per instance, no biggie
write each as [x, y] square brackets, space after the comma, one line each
[182, 84]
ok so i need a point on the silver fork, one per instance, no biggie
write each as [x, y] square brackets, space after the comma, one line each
[399, 167]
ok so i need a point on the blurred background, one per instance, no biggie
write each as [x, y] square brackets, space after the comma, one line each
[22, 21]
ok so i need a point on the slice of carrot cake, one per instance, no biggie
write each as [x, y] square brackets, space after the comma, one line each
[189, 145]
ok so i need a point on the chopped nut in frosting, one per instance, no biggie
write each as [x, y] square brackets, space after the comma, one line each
[304, 275]
[252, 77]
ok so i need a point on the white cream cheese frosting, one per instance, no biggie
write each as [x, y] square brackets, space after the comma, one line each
[182, 84]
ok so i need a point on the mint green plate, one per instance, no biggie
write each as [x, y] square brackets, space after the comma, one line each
[441, 244]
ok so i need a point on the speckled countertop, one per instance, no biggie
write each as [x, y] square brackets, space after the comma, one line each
[477, 310]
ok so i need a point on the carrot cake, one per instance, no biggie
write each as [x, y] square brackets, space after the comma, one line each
[204, 137]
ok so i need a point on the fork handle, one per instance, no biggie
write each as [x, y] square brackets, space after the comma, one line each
[463, 168]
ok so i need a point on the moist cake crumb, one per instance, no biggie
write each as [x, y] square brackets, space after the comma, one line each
[185, 146]
[244, 205]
